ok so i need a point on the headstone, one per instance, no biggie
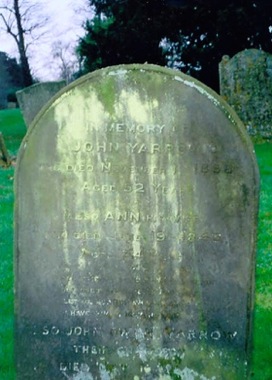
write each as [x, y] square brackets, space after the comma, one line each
[135, 220]
[12, 105]
[246, 84]
[31, 99]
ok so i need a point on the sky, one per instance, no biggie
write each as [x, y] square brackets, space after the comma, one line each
[65, 26]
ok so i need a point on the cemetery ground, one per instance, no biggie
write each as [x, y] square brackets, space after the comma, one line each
[13, 129]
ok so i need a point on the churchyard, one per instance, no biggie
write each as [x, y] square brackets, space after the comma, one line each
[230, 308]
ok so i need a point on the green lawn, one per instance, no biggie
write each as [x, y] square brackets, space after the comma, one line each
[262, 354]
[13, 129]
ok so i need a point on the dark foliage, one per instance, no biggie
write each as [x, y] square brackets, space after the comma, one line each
[196, 33]
[11, 70]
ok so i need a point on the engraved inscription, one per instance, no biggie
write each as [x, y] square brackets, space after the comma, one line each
[216, 168]
[54, 330]
[88, 147]
[131, 333]
[136, 128]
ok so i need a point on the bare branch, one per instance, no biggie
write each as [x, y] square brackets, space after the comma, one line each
[24, 21]
[65, 60]
[8, 27]
[8, 9]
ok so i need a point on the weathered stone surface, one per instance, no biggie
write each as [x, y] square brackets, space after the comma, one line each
[136, 203]
[31, 99]
[246, 84]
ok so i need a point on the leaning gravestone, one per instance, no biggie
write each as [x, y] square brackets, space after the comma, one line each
[246, 84]
[136, 204]
[31, 99]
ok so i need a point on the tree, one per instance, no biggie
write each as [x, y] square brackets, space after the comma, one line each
[211, 29]
[124, 32]
[21, 20]
[191, 35]
[66, 60]
[13, 69]
[10, 81]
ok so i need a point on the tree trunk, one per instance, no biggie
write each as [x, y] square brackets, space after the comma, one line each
[25, 69]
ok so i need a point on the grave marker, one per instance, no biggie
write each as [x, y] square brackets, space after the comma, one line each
[31, 99]
[246, 84]
[136, 204]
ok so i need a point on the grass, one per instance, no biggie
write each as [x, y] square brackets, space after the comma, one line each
[13, 129]
[262, 354]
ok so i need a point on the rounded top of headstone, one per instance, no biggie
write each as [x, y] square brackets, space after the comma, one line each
[123, 72]
[121, 77]
[249, 54]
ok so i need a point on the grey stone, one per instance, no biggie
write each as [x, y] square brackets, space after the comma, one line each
[31, 99]
[12, 105]
[135, 225]
[246, 84]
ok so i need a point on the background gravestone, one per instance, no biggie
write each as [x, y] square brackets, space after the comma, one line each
[246, 84]
[135, 220]
[31, 99]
